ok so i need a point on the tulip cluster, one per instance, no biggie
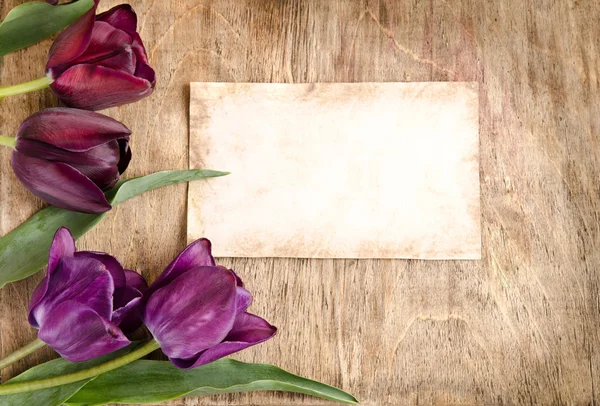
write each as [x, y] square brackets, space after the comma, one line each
[195, 310]
[68, 156]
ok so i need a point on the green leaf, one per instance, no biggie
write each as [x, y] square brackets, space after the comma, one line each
[59, 394]
[31, 22]
[24, 251]
[156, 381]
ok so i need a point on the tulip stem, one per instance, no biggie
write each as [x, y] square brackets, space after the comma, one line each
[28, 386]
[26, 87]
[21, 352]
[8, 141]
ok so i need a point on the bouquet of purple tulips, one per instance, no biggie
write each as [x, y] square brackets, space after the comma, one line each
[89, 305]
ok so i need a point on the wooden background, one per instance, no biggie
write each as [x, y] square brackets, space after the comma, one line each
[521, 326]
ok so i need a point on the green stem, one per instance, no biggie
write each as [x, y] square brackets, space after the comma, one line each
[21, 352]
[26, 87]
[28, 386]
[8, 141]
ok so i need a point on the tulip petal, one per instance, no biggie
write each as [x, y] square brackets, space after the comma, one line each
[193, 312]
[128, 304]
[124, 154]
[71, 43]
[146, 72]
[59, 184]
[244, 299]
[128, 316]
[106, 42]
[111, 263]
[99, 164]
[63, 245]
[72, 129]
[78, 333]
[84, 280]
[138, 47]
[125, 61]
[194, 255]
[247, 331]
[93, 87]
[122, 17]
[135, 280]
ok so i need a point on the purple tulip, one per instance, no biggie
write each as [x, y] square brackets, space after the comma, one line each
[196, 310]
[100, 61]
[67, 157]
[87, 302]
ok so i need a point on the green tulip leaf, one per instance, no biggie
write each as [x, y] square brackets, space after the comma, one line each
[59, 394]
[156, 381]
[24, 251]
[31, 22]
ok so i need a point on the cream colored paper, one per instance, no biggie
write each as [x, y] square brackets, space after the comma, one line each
[336, 170]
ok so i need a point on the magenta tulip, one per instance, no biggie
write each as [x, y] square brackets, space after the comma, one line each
[86, 303]
[67, 157]
[196, 310]
[100, 61]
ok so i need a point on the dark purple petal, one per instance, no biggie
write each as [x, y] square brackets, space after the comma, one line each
[111, 263]
[125, 61]
[128, 309]
[243, 298]
[53, 2]
[106, 41]
[59, 184]
[193, 312]
[78, 333]
[122, 299]
[99, 164]
[72, 129]
[97, 87]
[36, 297]
[247, 331]
[138, 47]
[124, 154]
[63, 245]
[122, 17]
[71, 43]
[129, 315]
[83, 280]
[135, 280]
[144, 71]
[194, 255]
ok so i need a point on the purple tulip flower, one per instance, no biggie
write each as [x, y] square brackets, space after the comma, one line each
[87, 302]
[67, 157]
[196, 310]
[100, 61]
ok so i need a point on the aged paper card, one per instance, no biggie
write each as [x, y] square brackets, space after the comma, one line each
[336, 170]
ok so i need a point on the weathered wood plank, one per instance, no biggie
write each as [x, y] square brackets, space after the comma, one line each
[519, 326]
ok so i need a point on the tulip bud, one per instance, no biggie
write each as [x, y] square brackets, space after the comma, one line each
[100, 61]
[86, 302]
[67, 157]
[196, 310]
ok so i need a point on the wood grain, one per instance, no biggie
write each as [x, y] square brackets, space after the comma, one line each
[521, 326]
